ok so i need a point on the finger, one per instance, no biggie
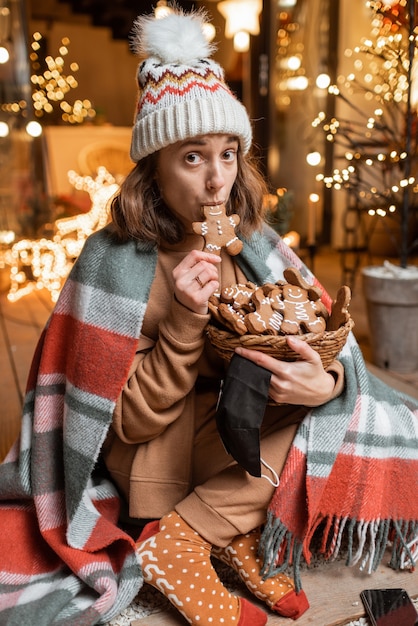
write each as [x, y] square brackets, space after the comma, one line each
[205, 274]
[259, 358]
[208, 287]
[199, 281]
[196, 256]
[211, 258]
[303, 349]
[198, 275]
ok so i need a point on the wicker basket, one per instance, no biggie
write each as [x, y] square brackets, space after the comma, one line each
[328, 344]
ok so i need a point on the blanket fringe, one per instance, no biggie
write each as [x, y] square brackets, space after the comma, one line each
[364, 542]
[405, 545]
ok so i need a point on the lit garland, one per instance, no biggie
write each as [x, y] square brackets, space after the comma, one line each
[14, 108]
[373, 145]
[45, 263]
[290, 73]
[7, 237]
[52, 85]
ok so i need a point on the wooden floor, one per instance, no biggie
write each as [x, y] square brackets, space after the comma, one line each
[21, 323]
[332, 591]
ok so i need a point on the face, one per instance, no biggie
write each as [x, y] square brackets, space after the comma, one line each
[196, 172]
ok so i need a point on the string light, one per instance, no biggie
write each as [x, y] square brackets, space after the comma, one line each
[52, 85]
[4, 55]
[5, 26]
[4, 129]
[372, 144]
[34, 129]
[7, 237]
[323, 81]
[313, 158]
[45, 263]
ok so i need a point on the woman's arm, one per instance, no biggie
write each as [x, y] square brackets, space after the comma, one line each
[162, 377]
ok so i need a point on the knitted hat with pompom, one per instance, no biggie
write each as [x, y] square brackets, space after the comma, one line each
[182, 92]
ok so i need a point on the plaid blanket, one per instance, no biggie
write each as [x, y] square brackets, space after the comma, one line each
[64, 558]
[351, 477]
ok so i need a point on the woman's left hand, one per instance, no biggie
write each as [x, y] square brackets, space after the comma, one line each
[303, 382]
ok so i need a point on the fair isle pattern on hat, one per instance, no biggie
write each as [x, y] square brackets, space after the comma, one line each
[165, 84]
[181, 94]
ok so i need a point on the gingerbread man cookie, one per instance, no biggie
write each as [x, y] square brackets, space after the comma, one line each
[218, 230]
[299, 312]
[233, 318]
[266, 320]
[339, 310]
[294, 277]
[239, 296]
[213, 306]
[287, 307]
[231, 305]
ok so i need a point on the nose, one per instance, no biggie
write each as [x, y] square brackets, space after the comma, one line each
[215, 179]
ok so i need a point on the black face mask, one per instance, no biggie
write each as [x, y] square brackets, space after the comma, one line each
[241, 410]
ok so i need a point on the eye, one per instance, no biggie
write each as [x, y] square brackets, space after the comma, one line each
[193, 158]
[229, 155]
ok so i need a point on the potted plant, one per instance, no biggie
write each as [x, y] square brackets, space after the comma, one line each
[378, 145]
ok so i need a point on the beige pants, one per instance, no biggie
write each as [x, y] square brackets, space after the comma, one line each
[226, 500]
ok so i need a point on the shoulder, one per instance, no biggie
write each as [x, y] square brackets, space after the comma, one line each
[104, 241]
[106, 258]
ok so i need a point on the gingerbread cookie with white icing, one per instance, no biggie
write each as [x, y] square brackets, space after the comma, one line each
[239, 296]
[267, 318]
[287, 307]
[231, 306]
[300, 313]
[233, 318]
[218, 230]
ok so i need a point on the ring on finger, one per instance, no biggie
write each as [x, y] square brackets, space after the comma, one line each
[199, 282]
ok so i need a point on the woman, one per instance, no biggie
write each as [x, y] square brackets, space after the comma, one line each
[124, 376]
[169, 400]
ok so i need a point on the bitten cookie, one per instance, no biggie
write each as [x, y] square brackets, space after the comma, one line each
[218, 230]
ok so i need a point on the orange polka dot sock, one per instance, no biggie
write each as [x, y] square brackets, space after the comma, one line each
[278, 592]
[176, 560]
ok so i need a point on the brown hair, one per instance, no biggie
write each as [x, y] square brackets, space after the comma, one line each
[138, 211]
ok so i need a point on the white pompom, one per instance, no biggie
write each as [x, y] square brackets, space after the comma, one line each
[176, 38]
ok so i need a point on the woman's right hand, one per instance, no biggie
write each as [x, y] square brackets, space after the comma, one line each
[196, 278]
